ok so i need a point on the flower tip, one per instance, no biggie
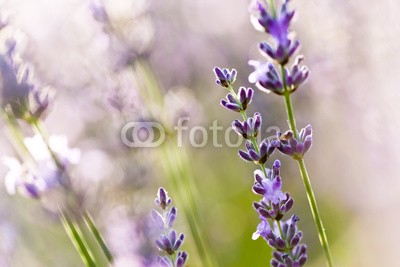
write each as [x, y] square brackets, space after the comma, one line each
[255, 236]
[277, 163]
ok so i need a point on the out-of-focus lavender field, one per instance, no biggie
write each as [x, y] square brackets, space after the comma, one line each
[351, 98]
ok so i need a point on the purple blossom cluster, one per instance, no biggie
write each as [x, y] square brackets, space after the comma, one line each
[266, 75]
[273, 76]
[21, 96]
[168, 240]
[283, 236]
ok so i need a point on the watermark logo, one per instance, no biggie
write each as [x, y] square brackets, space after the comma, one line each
[152, 134]
[143, 134]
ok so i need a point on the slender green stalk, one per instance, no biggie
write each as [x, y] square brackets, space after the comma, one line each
[76, 236]
[96, 233]
[306, 180]
[16, 136]
[314, 209]
[289, 111]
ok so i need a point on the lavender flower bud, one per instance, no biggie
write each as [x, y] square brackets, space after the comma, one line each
[225, 77]
[248, 128]
[239, 103]
[245, 96]
[265, 150]
[278, 27]
[297, 75]
[266, 77]
[296, 148]
[162, 200]
[170, 217]
[181, 259]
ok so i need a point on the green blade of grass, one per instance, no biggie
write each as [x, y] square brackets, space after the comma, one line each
[96, 233]
[77, 239]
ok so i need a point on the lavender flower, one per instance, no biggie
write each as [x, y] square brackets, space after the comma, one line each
[295, 147]
[225, 77]
[266, 77]
[238, 103]
[21, 96]
[285, 237]
[274, 203]
[248, 128]
[260, 155]
[277, 25]
[275, 77]
[289, 251]
[297, 75]
[168, 241]
[34, 180]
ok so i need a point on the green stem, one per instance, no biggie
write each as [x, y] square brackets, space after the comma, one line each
[280, 228]
[76, 236]
[315, 212]
[306, 179]
[96, 233]
[17, 137]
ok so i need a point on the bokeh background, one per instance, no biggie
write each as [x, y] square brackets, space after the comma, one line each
[351, 99]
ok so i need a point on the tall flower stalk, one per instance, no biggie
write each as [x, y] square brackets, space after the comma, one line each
[283, 236]
[276, 24]
[274, 76]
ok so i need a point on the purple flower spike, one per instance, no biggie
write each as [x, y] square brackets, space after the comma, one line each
[167, 243]
[296, 148]
[266, 77]
[225, 77]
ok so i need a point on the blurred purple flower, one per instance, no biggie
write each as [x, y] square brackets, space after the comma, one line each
[37, 178]
[20, 94]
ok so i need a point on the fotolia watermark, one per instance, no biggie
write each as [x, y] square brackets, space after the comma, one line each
[153, 134]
